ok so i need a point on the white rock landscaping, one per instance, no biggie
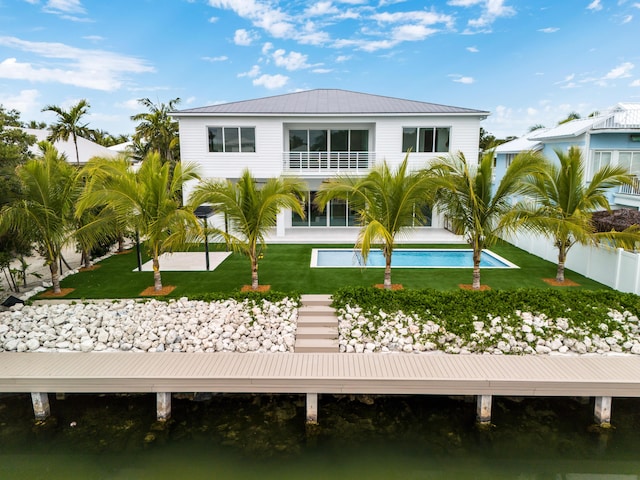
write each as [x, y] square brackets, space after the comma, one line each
[154, 326]
[525, 333]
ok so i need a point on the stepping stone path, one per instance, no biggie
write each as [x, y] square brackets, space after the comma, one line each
[317, 330]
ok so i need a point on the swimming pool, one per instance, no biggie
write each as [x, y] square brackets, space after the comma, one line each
[406, 258]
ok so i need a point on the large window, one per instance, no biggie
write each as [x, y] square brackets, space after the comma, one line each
[598, 160]
[630, 161]
[336, 214]
[328, 140]
[232, 139]
[425, 139]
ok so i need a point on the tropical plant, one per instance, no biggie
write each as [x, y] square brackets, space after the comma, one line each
[148, 200]
[68, 124]
[250, 210]
[561, 204]
[43, 209]
[387, 203]
[477, 210]
[157, 131]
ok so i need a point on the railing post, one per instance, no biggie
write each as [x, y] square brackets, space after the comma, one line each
[602, 411]
[41, 407]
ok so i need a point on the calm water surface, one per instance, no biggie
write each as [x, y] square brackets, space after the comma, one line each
[246, 437]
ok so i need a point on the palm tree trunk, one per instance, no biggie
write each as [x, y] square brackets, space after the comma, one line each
[75, 142]
[55, 275]
[254, 273]
[157, 280]
[476, 268]
[387, 272]
[86, 258]
[562, 257]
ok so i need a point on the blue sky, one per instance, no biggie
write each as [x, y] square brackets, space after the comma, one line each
[527, 62]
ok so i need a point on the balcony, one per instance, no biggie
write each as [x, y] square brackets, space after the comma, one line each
[633, 189]
[323, 163]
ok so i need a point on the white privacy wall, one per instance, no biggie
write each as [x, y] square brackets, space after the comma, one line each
[614, 267]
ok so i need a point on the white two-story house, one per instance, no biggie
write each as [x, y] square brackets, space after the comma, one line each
[317, 134]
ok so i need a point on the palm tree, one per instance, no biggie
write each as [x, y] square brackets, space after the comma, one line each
[561, 204]
[68, 124]
[250, 210]
[387, 203]
[157, 131]
[477, 210]
[148, 200]
[43, 210]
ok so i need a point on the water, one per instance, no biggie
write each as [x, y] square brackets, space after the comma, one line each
[406, 258]
[247, 437]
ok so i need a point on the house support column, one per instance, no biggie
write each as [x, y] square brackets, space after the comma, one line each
[483, 415]
[280, 224]
[312, 409]
[41, 407]
[602, 411]
[163, 406]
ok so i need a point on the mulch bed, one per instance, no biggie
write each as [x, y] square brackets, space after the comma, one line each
[394, 286]
[124, 252]
[63, 292]
[567, 283]
[466, 286]
[150, 292]
[261, 288]
[89, 269]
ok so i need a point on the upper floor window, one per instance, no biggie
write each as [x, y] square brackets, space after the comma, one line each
[232, 139]
[630, 161]
[328, 140]
[599, 159]
[426, 139]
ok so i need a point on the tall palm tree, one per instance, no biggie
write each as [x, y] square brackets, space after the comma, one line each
[250, 210]
[68, 124]
[43, 210]
[157, 131]
[148, 200]
[387, 203]
[561, 204]
[477, 210]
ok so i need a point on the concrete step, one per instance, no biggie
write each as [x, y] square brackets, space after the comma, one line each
[317, 332]
[315, 310]
[318, 321]
[315, 345]
[309, 299]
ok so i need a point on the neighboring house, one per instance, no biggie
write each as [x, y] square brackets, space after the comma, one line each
[609, 139]
[86, 148]
[318, 134]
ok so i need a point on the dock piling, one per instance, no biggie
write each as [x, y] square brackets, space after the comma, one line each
[163, 406]
[312, 409]
[602, 411]
[483, 415]
[41, 407]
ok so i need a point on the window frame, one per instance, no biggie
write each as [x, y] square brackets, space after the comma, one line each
[242, 146]
[419, 134]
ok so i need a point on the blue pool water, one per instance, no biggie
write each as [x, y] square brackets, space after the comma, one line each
[406, 258]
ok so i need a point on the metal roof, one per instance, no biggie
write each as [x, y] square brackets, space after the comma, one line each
[326, 102]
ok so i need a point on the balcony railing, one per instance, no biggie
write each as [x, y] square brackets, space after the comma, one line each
[633, 189]
[328, 162]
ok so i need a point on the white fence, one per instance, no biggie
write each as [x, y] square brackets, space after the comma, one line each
[613, 267]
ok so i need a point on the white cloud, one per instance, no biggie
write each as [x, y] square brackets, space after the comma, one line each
[291, 61]
[221, 58]
[420, 17]
[254, 72]
[343, 58]
[410, 33]
[472, 49]
[322, 70]
[244, 37]
[271, 81]
[491, 11]
[25, 101]
[262, 14]
[131, 104]
[635, 83]
[595, 6]
[266, 48]
[621, 71]
[548, 29]
[321, 8]
[67, 6]
[213, 19]
[95, 69]
[462, 79]
[627, 19]
[94, 38]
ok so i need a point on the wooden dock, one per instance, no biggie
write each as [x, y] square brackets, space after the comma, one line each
[485, 376]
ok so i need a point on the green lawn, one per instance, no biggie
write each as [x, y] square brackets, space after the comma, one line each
[286, 269]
